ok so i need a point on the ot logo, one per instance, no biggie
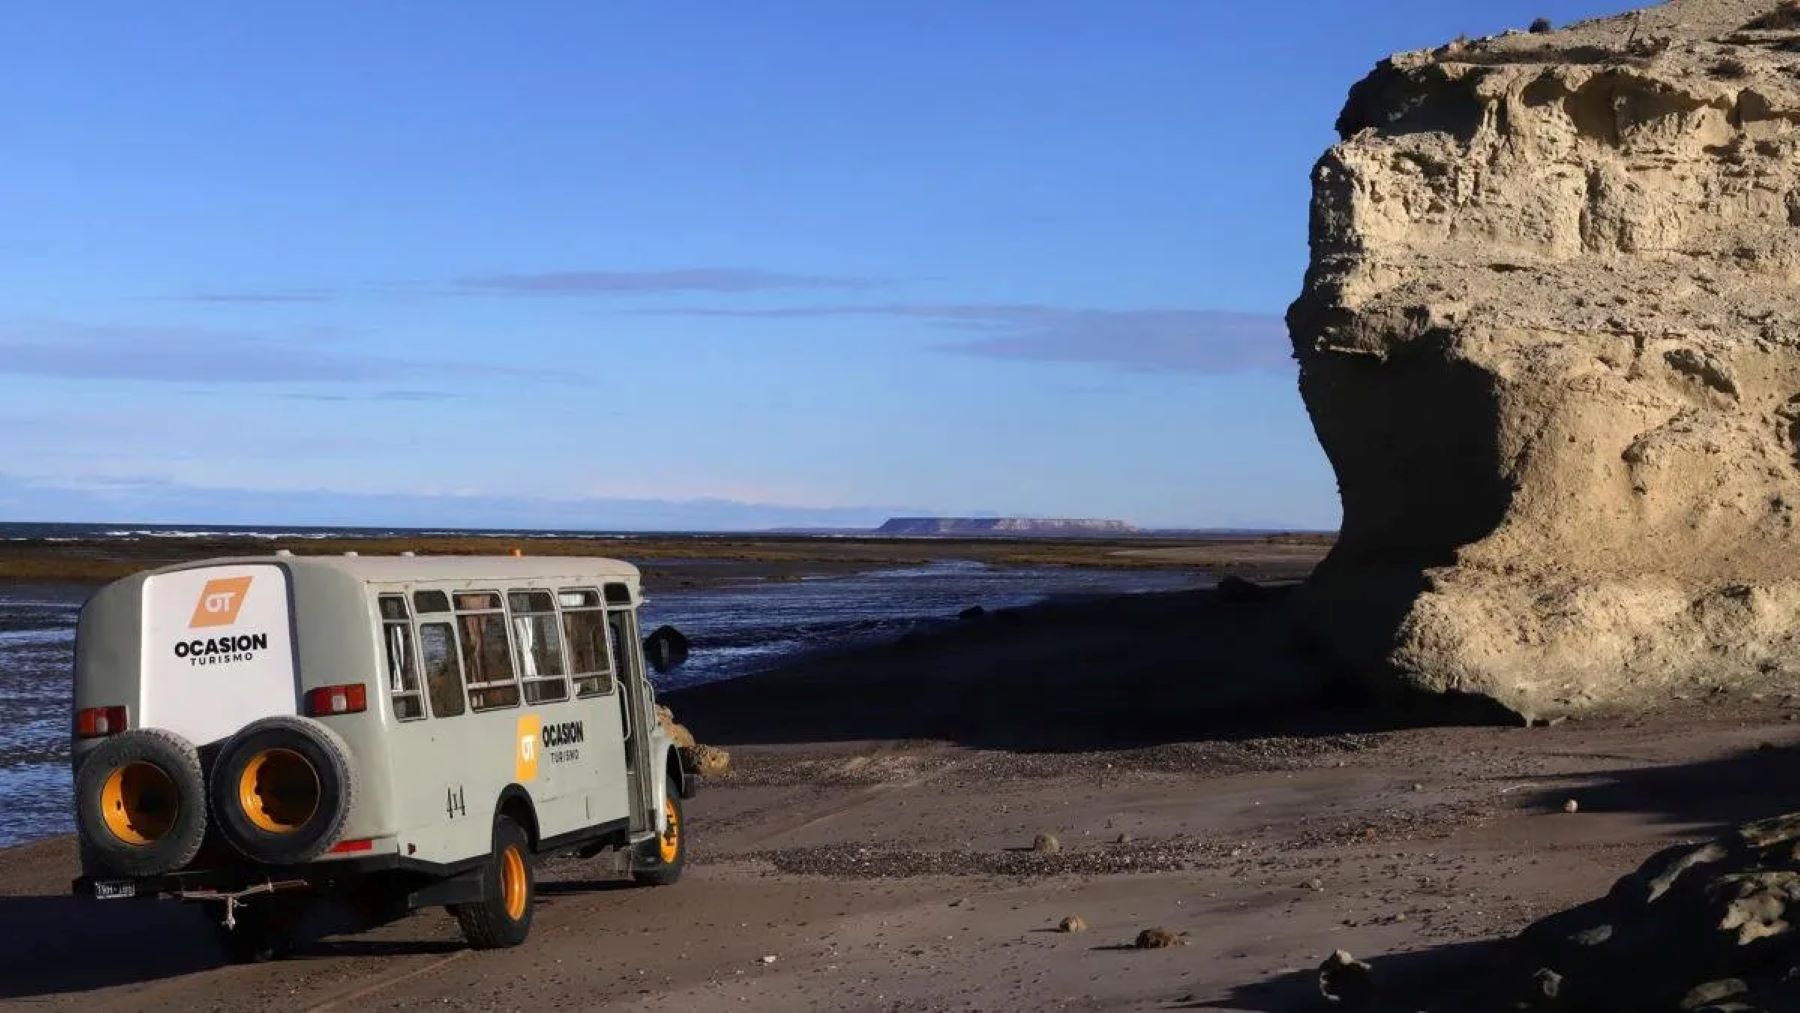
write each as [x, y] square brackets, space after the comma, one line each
[531, 729]
[220, 601]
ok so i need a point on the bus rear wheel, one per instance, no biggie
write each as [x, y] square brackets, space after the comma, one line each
[502, 917]
[262, 931]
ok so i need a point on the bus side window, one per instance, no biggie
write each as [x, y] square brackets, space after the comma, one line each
[402, 660]
[443, 677]
[539, 646]
[584, 624]
[486, 651]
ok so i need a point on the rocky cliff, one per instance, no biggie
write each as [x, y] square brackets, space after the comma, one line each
[1550, 341]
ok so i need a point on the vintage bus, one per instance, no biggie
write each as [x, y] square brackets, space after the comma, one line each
[281, 734]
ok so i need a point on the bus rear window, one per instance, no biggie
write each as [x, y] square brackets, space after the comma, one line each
[402, 659]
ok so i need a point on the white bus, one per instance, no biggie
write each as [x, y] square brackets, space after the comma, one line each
[281, 734]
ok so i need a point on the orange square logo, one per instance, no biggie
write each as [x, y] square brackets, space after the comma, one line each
[220, 601]
[531, 728]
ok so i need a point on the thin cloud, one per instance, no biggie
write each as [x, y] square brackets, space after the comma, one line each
[724, 280]
[1189, 340]
[156, 354]
[287, 296]
[378, 395]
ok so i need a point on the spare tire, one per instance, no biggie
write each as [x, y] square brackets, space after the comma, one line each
[140, 802]
[281, 789]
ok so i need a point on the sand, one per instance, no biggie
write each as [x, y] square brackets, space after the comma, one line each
[880, 852]
[882, 874]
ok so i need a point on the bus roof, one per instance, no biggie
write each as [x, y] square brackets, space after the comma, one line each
[423, 568]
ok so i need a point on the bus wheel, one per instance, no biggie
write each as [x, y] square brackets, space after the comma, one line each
[660, 861]
[502, 917]
[259, 935]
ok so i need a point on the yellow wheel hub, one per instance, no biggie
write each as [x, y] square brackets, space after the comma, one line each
[513, 888]
[139, 803]
[278, 791]
[668, 847]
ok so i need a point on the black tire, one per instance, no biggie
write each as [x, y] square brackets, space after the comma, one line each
[659, 862]
[140, 802]
[502, 917]
[263, 932]
[281, 789]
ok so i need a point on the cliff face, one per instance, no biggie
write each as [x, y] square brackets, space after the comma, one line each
[1550, 341]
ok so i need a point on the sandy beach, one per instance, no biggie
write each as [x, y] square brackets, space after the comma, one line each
[872, 847]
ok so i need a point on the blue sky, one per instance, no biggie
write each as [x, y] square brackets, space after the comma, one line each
[669, 265]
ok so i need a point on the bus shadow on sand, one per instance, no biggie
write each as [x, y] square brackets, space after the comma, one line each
[71, 944]
[57, 945]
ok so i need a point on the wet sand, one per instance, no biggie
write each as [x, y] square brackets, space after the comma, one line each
[877, 845]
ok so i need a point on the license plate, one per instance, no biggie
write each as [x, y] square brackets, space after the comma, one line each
[115, 891]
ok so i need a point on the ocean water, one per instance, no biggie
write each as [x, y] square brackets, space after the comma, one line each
[736, 629]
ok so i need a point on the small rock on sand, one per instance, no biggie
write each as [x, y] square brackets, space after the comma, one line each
[1046, 844]
[710, 761]
[1158, 938]
[1347, 980]
[1571, 806]
[1073, 923]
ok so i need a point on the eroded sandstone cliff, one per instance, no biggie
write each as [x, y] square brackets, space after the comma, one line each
[1550, 341]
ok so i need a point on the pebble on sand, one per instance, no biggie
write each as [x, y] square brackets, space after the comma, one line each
[1073, 923]
[1571, 806]
[1046, 843]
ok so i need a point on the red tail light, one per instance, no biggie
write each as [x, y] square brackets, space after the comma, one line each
[99, 722]
[328, 700]
[350, 847]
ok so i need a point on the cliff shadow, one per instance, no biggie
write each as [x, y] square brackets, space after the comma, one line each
[1694, 801]
[1700, 799]
[1414, 442]
[1115, 673]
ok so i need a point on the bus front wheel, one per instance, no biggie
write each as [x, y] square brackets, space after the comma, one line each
[661, 859]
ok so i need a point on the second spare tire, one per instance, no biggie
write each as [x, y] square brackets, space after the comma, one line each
[140, 802]
[281, 789]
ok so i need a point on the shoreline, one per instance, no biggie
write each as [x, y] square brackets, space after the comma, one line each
[709, 558]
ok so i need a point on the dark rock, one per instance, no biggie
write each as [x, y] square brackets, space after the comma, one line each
[1238, 591]
[1708, 993]
[1158, 939]
[1545, 984]
[1347, 981]
[666, 648]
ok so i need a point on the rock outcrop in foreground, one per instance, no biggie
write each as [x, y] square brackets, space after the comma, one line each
[1550, 341]
[1696, 927]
